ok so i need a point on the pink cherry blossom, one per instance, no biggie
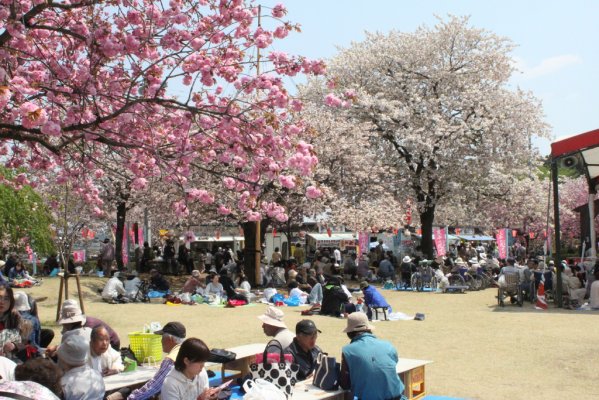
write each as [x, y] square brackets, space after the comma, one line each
[313, 192]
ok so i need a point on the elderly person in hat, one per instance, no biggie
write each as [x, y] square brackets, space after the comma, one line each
[193, 283]
[102, 357]
[173, 334]
[106, 257]
[23, 307]
[368, 379]
[114, 291]
[80, 381]
[373, 298]
[406, 271]
[73, 321]
[273, 325]
[304, 349]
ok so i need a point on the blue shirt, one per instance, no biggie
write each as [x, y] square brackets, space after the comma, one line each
[372, 368]
[374, 298]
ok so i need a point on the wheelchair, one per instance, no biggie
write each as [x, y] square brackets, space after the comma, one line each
[512, 289]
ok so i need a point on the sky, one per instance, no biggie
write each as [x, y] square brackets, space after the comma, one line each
[557, 43]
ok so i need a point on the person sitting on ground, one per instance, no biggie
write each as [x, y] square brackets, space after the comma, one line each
[72, 320]
[189, 379]
[24, 309]
[576, 287]
[334, 298]
[192, 283]
[19, 273]
[229, 287]
[35, 379]
[114, 291]
[373, 299]
[80, 381]
[214, 287]
[50, 264]
[273, 325]
[386, 270]
[132, 285]
[102, 357]
[173, 334]
[12, 327]
[269, 291]
[304, 349]
[367, 363]
[295, 291]
[157, 281]
[245, 289]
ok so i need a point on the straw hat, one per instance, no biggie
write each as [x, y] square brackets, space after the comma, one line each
[71, 313]
[21, 302]
[357, 322]
[273, 316]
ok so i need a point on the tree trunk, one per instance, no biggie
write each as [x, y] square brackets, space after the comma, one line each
[426, 222]
[121, 213]
[249, 252]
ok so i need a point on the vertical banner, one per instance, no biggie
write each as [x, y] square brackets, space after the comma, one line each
[501, 237]
[363, 240]
[440, 241]
[79, 256]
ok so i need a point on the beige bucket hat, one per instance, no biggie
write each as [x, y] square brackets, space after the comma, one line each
[273, 316]
[357, 322]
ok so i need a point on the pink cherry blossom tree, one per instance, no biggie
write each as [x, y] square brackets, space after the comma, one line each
[172, 87]
[441, 114]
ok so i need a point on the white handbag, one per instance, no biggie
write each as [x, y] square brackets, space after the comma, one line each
[259, 389]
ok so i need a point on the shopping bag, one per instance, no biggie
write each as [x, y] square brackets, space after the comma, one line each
[260, 389]
[281, 374]
[326, 373]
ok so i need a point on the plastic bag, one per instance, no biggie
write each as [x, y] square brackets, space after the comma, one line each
[155, 293]
[277, 298]
[260, 389]
[292, 301]
[197, 298]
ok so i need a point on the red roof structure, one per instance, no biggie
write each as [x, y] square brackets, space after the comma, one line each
[582, 148]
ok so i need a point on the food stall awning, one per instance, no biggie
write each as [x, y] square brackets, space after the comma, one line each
[220, 239]
[580, 149]
[476, 238]
[324, 240]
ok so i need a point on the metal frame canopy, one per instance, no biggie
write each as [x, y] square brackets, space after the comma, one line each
[580, 149]
[583, 150]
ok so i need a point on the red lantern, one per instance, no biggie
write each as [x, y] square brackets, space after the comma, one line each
[531, 235]
[274, 232]
[329, 232]
[514, 233]
[217, 234]
[457, 231]
[408, 217]
[419, 231]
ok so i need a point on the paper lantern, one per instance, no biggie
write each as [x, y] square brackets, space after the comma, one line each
[514, 233]
[329, 232]
[217, 234]
[274, 232]
[457, 231]
[531, 235]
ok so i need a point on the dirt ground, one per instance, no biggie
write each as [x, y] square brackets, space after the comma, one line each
[479, 351]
